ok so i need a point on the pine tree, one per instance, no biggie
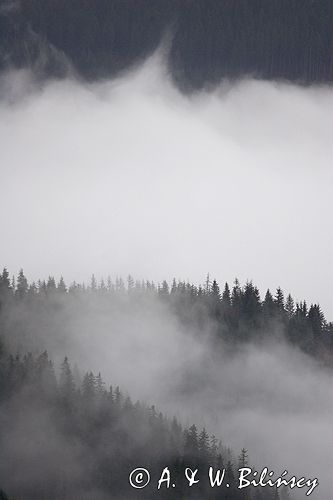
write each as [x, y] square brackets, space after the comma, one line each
[213, 448]
[251, 304]
[316, 319]
[93, 283]
[163, 290]
[243, 458]
[51, 285]
[268, 306]
[120, 286]
[215, 291]
[109, 284]
[290, 307]
[130, 283]
[32, 290]
[46, 379]
[203, 444]
[41, 285]
[236, 296]
[118, 397]
[207, 284]
[62, 286]
[4, 281]
[191, 446]
[102, 288]
[279, 299]
[304, 308]
[174, 286]
[89, 386]
[66, 382]
[22, 285]
[226, 297]
[99, 384]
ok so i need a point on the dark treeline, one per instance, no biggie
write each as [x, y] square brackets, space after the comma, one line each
[66, 435]
[69, 437]
[209, 39]
[99, 430]
[234, 314]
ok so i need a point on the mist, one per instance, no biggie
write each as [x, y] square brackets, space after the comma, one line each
[131, 176]
[265, 396]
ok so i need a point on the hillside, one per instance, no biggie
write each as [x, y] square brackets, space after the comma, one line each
[208, 40]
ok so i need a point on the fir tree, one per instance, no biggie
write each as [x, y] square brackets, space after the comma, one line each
[22, 285]
[66, 382]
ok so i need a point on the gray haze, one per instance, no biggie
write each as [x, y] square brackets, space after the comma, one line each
[131, 177]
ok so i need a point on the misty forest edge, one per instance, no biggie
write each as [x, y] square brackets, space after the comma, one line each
[238, 312]
[115, 433]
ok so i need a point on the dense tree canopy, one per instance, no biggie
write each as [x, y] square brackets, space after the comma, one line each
[238, 313]
[94, 437]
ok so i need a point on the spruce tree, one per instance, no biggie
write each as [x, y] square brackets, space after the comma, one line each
[66, 382]
[243, 458]
[203, 444]
[290, 307]
[226, 297]
[22, 285]
[279, 299]
[191, 446]
[62, 286]
[4, 281]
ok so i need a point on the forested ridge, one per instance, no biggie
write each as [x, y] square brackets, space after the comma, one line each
[208, 40]
[95, 437]
[234, 314]
[66, 435]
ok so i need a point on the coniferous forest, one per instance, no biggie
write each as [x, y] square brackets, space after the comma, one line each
[207, 40]
[216, 150]
[84, 437]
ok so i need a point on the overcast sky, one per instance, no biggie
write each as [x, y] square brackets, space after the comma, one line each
[132, 177]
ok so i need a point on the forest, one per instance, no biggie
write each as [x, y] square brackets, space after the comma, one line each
[234, 314]
[206, 41]
[68, 435]
[103, 377]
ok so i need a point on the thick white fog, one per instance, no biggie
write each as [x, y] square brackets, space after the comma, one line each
[130, 176]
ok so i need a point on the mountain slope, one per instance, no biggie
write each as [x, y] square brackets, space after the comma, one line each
[210, 39]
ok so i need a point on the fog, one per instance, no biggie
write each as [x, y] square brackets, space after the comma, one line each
[130, 176]
[267, 397]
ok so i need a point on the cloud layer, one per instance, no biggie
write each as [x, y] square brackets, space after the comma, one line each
[130, 176]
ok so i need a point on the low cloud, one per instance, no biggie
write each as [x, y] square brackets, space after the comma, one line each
[130, 176]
